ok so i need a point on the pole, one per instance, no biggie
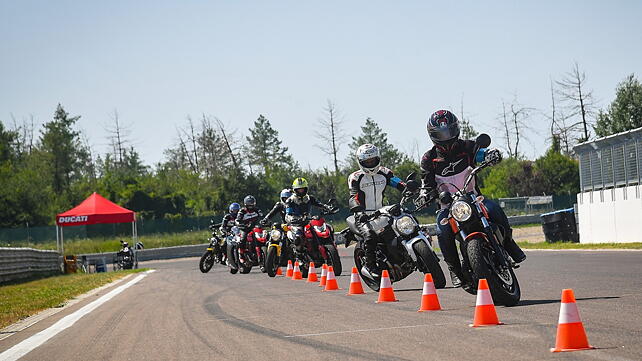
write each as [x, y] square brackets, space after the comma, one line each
[57, 239]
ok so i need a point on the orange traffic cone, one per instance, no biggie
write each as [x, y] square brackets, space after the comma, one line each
[289, 270]
[429, 299]
[296, 274]
[331, 283]
[485, 314]
[324, 275]
[312, 274]
[570, 330]
[386, 294]
[279, 271]
[355, 283]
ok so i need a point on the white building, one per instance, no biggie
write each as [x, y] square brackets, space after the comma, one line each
[609, 203]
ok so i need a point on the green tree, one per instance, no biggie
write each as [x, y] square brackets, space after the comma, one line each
[265, 150]
[625, 112]
[560, 173]
[371, 133]
[62, 145]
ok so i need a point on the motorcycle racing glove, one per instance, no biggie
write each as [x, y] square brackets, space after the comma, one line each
[493, 156]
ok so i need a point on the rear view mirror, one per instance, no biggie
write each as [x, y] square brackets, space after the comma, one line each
[482, 141]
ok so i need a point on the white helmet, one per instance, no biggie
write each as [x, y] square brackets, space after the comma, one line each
[368, 158]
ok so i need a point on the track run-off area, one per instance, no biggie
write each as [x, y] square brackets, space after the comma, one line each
[179, 313]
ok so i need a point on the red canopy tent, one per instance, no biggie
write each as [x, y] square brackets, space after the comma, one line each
[93, 210]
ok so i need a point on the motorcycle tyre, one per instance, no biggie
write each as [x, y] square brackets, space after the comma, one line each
[430, 263]
[336, 260]
[480, 269]
[271, 261]
[207, 262]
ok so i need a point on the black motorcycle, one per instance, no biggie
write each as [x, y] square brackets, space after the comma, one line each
[126, 257]
[216, 252]
[481, 242]
[402, 245]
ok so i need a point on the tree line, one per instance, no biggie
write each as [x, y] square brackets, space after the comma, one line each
[51, 169]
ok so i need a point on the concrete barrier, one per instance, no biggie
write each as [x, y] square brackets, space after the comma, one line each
[22, 263]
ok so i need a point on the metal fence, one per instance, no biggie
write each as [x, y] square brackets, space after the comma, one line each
[21, 263]
[610, 162]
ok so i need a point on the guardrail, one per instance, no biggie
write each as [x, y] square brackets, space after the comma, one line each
[20, 263]
[149, 254]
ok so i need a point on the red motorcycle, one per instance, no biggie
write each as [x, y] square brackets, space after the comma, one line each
[319, 246]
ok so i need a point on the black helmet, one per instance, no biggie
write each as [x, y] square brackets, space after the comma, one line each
[249, 202]
[443, 128]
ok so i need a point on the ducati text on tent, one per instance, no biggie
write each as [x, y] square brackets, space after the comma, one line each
[72, 219]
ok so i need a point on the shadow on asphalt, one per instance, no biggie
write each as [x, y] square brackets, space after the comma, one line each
[542, 302]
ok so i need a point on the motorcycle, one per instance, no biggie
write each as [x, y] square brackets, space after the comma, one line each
[481, 242]
[402, 245]
[319, 244]
[245, 259]
[215, 252]
[126, 257]
[279, 250]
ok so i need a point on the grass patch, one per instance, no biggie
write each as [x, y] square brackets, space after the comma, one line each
[528, 225]
[571, 245]
[99, 245]
[22, 300]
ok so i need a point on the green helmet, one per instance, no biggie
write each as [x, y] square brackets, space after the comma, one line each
[300, 187]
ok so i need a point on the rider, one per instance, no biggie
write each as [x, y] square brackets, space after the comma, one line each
[448, 163]
[366, 196]
[229, 221]
[246, 219]
[279, 207]
[298, 205]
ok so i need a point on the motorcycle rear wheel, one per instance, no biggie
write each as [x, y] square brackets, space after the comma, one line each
[505, 290]
[207, 262]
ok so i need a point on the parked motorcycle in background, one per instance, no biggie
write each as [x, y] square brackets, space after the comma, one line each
[127, 258]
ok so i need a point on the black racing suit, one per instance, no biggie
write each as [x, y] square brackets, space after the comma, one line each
[441, 169]
[296, 209]
[246, 219]
[366, 196]
[279, 207]
[228, 221]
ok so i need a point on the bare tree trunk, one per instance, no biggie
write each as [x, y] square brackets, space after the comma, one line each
[507, 130]
[227, 142]
[332, 134]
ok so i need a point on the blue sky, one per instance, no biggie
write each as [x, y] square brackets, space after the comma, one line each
[395, 61]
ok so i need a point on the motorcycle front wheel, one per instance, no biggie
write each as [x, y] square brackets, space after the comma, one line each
[334, 259]
[430, 264]
[502, 282]
[359, 259]
[207, 262]
[271, 261]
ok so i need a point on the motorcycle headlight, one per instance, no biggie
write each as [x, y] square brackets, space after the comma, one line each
[275, 235]
[406, 225]
[320, 229]
[461, 211]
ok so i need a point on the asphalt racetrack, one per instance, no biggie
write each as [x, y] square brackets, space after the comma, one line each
[178, 313]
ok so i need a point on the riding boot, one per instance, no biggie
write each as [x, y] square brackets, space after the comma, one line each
[370, 268]
[513, 248]
[456, 275]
